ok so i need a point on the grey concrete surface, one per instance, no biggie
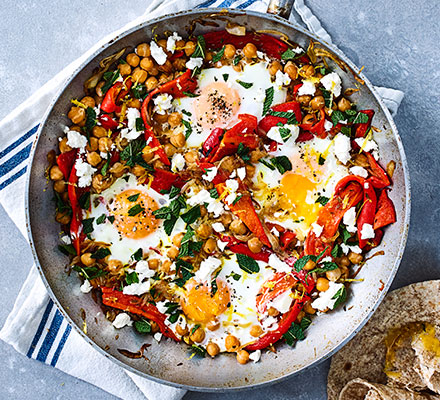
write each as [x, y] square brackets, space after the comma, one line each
[396, 40]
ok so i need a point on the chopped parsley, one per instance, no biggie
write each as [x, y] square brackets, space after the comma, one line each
[218, 56]
[101, 253]
[88, 225]
[101, 219]
[132, 277]
[133, 197]
[322, 200]
[268, 100]
[110, 78]
[142, 326]
[246, 85]
[138, 255]
[188, 128]
[135, 210]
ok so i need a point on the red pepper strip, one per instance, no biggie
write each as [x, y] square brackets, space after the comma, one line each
[318, 127]
[283, 326]
[108, 105]
[269, 44]
[242, 248]
[244, 209]
[108, 122]
[176, 55]
[286, 239]
[133, 304]
[114, 156]
[368, 210]
[372, 243]
[361, 129]
[125, 91]
[304, 137]
[65, 161]
[385, 214]
[75, 223]
[243, 132]
[221, 176]
[164, 180]
[270, 121]
[380, 178]
[212, 141]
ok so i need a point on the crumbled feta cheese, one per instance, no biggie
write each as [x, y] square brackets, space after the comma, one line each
[307, 88]
[349, 220]
[221, 245]
[143, 270]
[210, 174]
[201, 197]
[328, 125]
[97, 109]
[281, 79]
[325, 299]
[161, 307]
[86, 287]
[270, 323]
[255, 356]
[218, 227]
[163, 103]
[359, 171]
[207, 267]
[103, 155]
[297, 50]
[232, 185]
[157, 336]
[66, 239]
[366, 185]
[130, 134]
[233, 174]
[230, 198]
[317, 229]
[326, 259]
[282, 302]
[121, 320]
[75, 140]
[132, 114]
[367, 232]
[333, 83]
[275, 232]
[157, 53]
[260, 96]
[137, 289]
[171, 42]
[274, 133]
[177, 162]
[342, 147]
[216, 208]
[194, 63]
[278, 265]
[241, 173]
[366, 145]
[85, 172]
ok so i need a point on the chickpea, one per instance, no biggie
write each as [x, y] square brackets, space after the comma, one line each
[143, 50]
[177, 239]
[166, 68]
[304, 100]
[59, 186]
[307, 71]
[139, 75]
[209, 246]
[98, 89]
[174, 119]
[182, 331]
[250, 170]
[250, 50]
[310, 265]
[256, 155]
[226, 219]
[147, 154]
[189, 48]
[115, 265]
[137, 170]
[63, 146]
[355, 258]
[318, 102]
[256, 330]
[308, 308]
[77, 115]
[291, 69]
[322, 284]
[147, 64]
[124, 69]
[173, 252]
[309, 119]
[154, 326]
[242, 356]
[55, 173]
[93, 144]
[151, 83]
[213, 325]
[132, 59]
[134, 103]
[198, 335]
[93, 158]
[87, 259]
[62, 217]
[154, 71]
[99, 183]
[255, 245]
[231, 343]
[158, 164]
[344, 261]
[191, 157]
[162, 43]
[203, 210]
[212, 349]
[160, 118]
[344, 104]
[238, 67]
[166, 266]
[153, 263]
[333, 275]
[273, 312]
[88, 101]
[170, 150]
[204, 231]
[238, 227]
[229, 51]
[164, 79]
[105, 144]
[99, 131]
[118, 169]
[274, 67]
[179, 64]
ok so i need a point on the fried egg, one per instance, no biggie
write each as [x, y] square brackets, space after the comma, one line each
[129, 223]
[221, 98]
[293, 196]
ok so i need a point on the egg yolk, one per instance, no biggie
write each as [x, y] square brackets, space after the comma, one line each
[133, 212]
[217, 106]
[200, 305]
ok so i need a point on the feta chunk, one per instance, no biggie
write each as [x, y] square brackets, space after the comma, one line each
[278, 265]
[171, 42]
[76, 140]
[137, 289]
[359, 171]
[241, 173]
[260, 96]
[66, 239]
[215, 207]
[202, 197]
[317, 229]
[130, 134]
[349, 220]
[274, 133]
[163, 103]
[194, 63]
[86, 287]
[366, 144]
[85, 172]
[210, 174]
[281, 79]
[143, 270]
[221, 245]
[307, 88]
[333, 83]
[121, 320]
[232, 185]
[207, 267]
[177, 162]
[255, 356]
[328, 125]
[367, 232]
[157, 336]
[282, 302]
[342, 147]
[325, 299]
[218, 227]
[157, 53]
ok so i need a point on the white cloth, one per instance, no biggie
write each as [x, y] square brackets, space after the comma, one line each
[35, 327]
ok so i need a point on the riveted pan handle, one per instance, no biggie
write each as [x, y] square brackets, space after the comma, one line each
[283, 8]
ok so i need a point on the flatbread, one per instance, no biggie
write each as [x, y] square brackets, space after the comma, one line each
[360, 389]
[364, 356]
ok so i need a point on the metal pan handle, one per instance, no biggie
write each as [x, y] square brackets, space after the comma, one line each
[283, 8]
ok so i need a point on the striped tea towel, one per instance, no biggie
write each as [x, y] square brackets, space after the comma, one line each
[35, 327]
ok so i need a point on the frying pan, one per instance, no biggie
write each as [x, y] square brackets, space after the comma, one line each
[168, 362]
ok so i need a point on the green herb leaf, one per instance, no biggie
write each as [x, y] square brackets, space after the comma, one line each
[237, 199]
[336, 251]
[133, 197]
[225, 77]
[338, 116]
[301, 262]
[218, 56]
[345, 234]
[321, 160]
[361, 118]
[110, 78]
[174, 191]
[111, 219]
[138, 255]
[289, 54]
[132, 277]
[247, 263]
[189, 94]
[194, 328]
[60, 205]
[88, 225]
[187, 113]
[268, 100]
[133, 152]
[89, 273]
[101, 219]
[90, 121]
[174, 317]
[285, 133]
[168, 225]
[101, 253]
[192, 215]
[105, 167]
[214, 193]
[140, 125]
[84, 200]
[267, 164]
[340, 296]
[324, 267]
[243, 152]
[328, 97]
[282, 164]
[188, 128]
[135, 210]
[67, 249]
[200, 351]
[142, 326]
[139, 91]
[234, 276]
[237, 59]
[322, 200]
[246, 85]
[291, 118]
[200, 49]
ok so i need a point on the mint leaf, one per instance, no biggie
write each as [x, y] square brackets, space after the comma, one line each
[247, 263]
